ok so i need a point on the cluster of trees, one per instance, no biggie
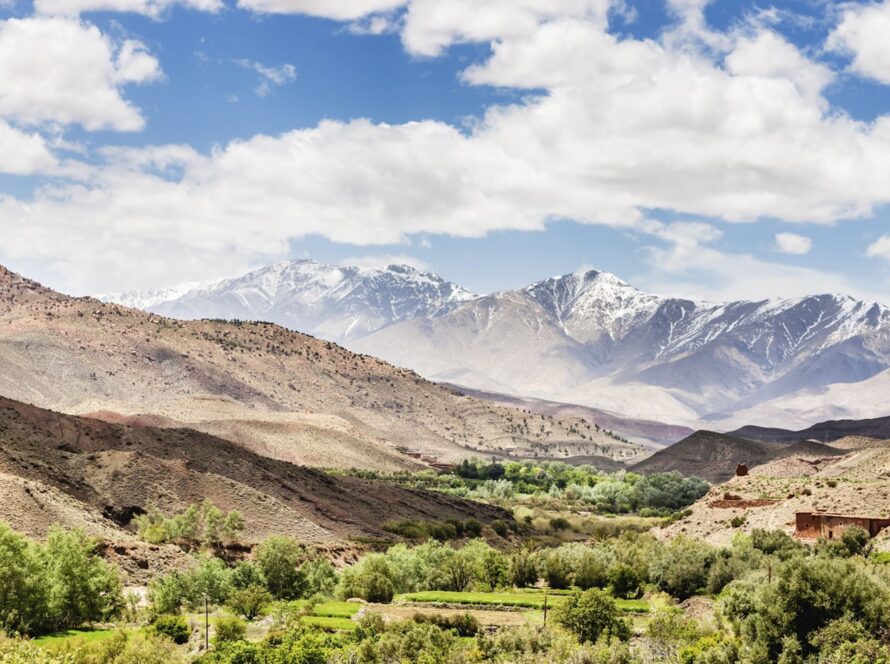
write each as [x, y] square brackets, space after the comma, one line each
[614, 493]
[201, 525]
[60, 584]
[281, 570]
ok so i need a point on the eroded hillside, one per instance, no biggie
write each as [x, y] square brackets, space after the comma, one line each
[279, 393]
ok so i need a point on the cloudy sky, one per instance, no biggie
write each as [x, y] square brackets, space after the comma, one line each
[725, 149]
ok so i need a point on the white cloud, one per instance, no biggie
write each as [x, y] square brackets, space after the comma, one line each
[689, 267]
[880, 248]
[624, 126]
[792, 243]
[385, 260]
[23, 153]
[153, 8]
[341, 10]
[270, 76]
[63, 71]
[863, 32]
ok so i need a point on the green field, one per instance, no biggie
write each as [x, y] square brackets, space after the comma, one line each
[85, 634]
[527, 600]
[331, 609]
[329, 622]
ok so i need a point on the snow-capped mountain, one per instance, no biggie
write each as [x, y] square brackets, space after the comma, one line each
[587, 338]
[333, 302]
[591, 338]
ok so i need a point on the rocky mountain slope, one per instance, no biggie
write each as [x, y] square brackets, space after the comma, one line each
[584, 338]
[850, 477]
[82, 471]
[592, 339]
[278, 393]
[709, 455]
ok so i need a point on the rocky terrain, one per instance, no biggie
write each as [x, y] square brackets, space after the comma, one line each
[281, 394]
[585, 338]
[648, 432]
[76, 470]
[850, 476]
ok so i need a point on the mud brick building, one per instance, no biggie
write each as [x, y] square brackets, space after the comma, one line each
[830, 526]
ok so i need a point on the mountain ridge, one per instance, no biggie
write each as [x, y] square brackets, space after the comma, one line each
[278, 393]
[591, 338]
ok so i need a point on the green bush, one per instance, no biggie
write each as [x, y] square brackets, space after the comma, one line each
[228, 629]
[175, 628]
[589, 614]
[249, 602]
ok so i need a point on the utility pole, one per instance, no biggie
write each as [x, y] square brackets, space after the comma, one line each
[545, 606]
[206, 623]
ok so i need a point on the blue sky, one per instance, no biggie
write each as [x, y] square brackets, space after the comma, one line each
[720, 149]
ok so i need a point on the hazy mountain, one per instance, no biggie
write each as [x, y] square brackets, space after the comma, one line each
[336, 303]
[586, 338]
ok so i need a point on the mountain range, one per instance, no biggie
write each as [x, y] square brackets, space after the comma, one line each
[278, 393]
[585, 338]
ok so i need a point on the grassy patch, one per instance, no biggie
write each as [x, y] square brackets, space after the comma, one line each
[85, 634]
[332, 609]
[329, 623]
[527, 600]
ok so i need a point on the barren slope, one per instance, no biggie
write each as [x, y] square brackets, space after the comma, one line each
[807, 478]
[709, 455]
[280, 393]
[75, 471]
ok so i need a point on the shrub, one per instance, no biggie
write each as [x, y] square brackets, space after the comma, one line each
[738, 521]
[558, 524]
[229, 628]
[376, 588]
[463, 624]
[174, 628]
[249, 602]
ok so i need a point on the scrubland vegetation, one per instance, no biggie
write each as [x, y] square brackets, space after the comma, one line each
[558, 485]
[622, 598]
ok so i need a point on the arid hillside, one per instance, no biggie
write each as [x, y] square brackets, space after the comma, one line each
[824, 431]
[709, 455]
[78, 471]
[278, 393]
[850, 478]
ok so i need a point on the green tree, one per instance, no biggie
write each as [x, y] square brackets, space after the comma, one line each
[279, 558]
[682, 567]
[249, 602]
[491, 568]
[588, 614]
[321, 578]
[23, 597]
[82, 587]
[523, 572]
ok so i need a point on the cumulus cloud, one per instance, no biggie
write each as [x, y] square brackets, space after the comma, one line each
[792, 243]
[64, 71]
[880, 248]
[270, 77]
[863, 32]
[153, 8]
[23, 153]
[735, 132]
[690, 266]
